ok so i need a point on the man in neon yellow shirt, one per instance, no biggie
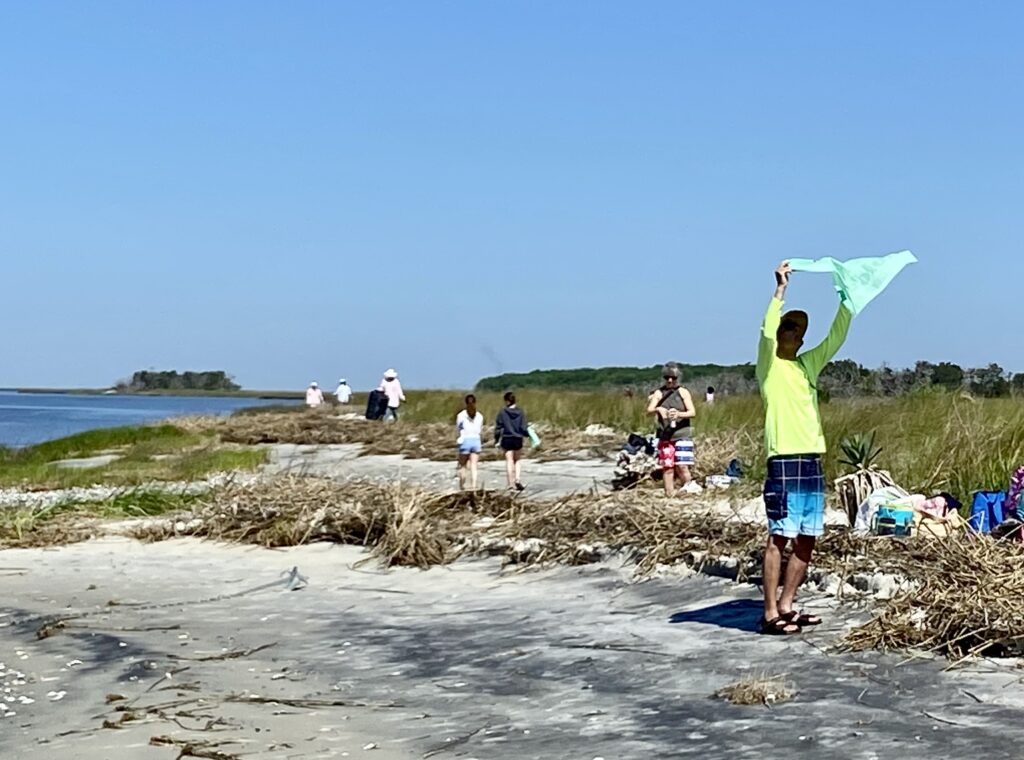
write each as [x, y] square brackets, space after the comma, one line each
[794, 492]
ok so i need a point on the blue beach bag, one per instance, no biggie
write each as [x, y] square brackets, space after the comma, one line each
[893, 521]
[987, 510]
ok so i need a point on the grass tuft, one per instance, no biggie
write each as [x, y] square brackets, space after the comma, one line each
[758, 689]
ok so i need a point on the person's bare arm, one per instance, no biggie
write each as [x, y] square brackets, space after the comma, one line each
[782, 280]
[691, 411]
[652, 403]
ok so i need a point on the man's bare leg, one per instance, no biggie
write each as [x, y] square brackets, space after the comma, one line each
[796, 572]
[668, 478]
[770, 575]
[683, 473]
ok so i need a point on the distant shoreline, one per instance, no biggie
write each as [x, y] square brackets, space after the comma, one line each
[271, 395]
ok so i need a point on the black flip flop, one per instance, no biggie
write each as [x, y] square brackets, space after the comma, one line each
[801, 619]
[778, 627]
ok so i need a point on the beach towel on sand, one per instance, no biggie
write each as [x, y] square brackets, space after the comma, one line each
[858, 281]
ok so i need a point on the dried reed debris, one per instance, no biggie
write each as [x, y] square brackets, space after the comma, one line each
[758, 689]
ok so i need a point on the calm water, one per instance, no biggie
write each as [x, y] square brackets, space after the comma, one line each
[34, 417]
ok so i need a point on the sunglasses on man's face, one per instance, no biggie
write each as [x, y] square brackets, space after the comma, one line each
[669, 377]
[790, 326]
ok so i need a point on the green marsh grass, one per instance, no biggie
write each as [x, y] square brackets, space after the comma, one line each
[146, 453]
[67, 521]
[930, 442]
[92, 442]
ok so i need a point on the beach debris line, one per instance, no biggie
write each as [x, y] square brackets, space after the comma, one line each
[415, 440]
[966, 598]
[403, 525]
[194, 748]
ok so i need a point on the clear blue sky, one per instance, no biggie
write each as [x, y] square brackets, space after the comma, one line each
[300, 190]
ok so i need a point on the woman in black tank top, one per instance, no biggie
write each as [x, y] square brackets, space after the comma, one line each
[673, 409]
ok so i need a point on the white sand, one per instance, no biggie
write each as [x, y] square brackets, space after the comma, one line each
[566, 663]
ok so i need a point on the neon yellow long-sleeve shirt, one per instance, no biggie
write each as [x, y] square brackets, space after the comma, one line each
[792, 422]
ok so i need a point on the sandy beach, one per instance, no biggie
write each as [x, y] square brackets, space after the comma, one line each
[491, 381]
[204, 645]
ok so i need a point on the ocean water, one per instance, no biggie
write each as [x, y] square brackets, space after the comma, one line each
[27, 418]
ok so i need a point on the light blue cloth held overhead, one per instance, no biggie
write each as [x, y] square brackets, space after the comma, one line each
[858, 281]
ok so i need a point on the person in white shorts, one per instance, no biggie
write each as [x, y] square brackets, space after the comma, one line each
[470, 425]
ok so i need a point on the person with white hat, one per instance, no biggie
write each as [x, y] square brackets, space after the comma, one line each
[392, 388]
[314, 396]
[344, 392]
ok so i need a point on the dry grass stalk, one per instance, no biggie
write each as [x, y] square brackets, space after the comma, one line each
[967, 598]
[405, 525]
[758, 689]
[194, 748]
[27, 529]
[402, 525]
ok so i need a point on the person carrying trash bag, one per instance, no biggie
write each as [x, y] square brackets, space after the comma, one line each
[391, 387]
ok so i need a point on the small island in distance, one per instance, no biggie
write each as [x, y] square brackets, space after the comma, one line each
[173, 383]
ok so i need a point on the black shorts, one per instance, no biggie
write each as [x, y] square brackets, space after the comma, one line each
[511, 443]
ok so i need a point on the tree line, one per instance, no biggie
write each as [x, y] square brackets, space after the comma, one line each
[604, 378]
[848, 378]
[843, 378]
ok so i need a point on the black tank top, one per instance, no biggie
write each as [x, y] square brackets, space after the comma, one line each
[672, 399]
